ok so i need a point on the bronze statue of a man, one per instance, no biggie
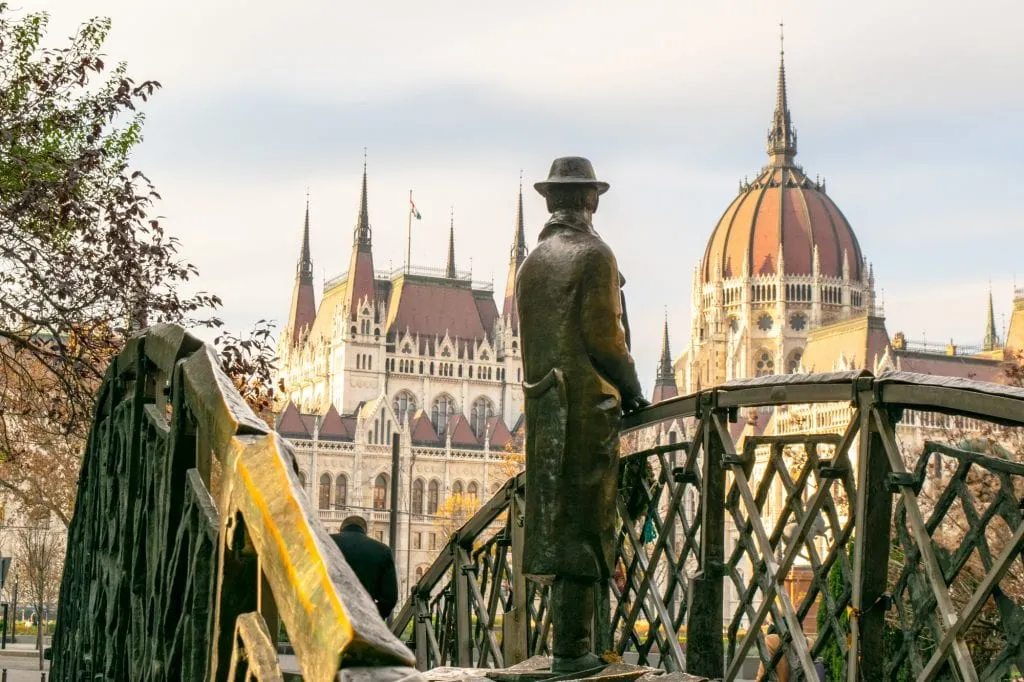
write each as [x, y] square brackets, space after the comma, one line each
[579, 379]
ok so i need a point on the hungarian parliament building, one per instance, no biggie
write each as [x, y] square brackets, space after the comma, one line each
[431, 356]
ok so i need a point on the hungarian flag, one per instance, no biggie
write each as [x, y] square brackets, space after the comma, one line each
[412, 209]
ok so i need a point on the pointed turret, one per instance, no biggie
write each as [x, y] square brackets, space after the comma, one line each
[665, 381]
[303, 307]
[360, 270]
[782, 136]
[362, 235]
[991, 341]
[516, 257]
[449, 269]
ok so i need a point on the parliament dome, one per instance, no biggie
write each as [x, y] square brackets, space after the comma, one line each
[782, 220]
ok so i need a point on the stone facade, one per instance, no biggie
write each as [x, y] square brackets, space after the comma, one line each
[421, 354]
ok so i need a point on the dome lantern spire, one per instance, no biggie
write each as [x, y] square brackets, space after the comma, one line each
[782, 136]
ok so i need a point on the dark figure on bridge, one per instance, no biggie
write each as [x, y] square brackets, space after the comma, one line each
[579, 379]
[371, 561]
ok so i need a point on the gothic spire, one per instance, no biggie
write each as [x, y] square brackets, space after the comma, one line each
[665, 381]
[509, 310]
[991, 339]
[518, 252]
[449, 270]
[362, 233]
[360, 287]
[782, 136]
[302, 311]
[304, 268]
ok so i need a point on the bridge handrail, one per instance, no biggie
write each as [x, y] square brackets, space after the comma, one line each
[296, 573]
[881, 486]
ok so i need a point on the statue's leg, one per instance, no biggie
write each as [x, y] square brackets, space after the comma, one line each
[572, 618]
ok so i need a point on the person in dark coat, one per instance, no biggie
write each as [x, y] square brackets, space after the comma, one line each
[371, 561]
[579, 377]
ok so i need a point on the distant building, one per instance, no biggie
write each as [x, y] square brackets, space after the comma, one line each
[419, 352]
[783, 288]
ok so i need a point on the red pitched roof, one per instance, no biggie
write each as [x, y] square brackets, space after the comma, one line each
[462, 435]
[433, 307]
[498, 433]
[291, 423]
[519, 428]
[422, 430]
[979, 369]
[360, 277]
[664, 392]
[486, 309]
[334, 426]
[303, 309]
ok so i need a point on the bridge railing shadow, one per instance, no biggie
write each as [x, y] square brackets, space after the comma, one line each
[192, 539]
[868, 525]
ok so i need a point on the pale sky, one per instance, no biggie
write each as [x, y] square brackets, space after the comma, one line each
[912, 110]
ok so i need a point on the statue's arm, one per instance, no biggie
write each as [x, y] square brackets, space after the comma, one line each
[603, 334]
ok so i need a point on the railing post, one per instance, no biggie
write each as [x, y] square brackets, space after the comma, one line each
[421, 621]
[705, 653]
[870, 549]
[461, 570]
[515, 622]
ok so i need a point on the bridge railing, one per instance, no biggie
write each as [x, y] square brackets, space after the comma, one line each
[856, 540]
[192, 539]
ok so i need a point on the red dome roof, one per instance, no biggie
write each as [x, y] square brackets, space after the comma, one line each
[783, 215]
[782, 212]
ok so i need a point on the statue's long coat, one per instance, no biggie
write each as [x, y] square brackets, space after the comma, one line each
[578, 370]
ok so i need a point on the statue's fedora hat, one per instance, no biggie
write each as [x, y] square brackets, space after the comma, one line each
[571, 170]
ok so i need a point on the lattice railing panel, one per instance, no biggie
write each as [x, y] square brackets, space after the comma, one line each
[787, 504]
[658, 540]
[817, 527]
[970, 505]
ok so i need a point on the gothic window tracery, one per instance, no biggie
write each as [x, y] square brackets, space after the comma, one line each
[764, 363]
[457, 488]
[380, 492]
[798, 321]
[441, 412]
[417, 496]
[325, 491]
[765, 322]
[483, 409]
[793, 363]
[473, 490]
[341, 490]
[433, 493]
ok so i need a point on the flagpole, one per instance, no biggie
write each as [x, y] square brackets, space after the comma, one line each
[408, 237]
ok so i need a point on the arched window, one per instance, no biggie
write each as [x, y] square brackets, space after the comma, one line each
[380, 492]
[417, 496]
[433, 492]
[302, 479]
[341, 490]
[482, 410]
[473, 490]
[457, 488]
[443, 409]
[764, 363]
[793, 363]
[325, 491]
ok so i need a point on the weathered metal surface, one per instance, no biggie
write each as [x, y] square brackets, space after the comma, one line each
[192, 539]
[579, 376]
[839, 503]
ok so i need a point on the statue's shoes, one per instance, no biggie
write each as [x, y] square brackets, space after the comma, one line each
[587, 661]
